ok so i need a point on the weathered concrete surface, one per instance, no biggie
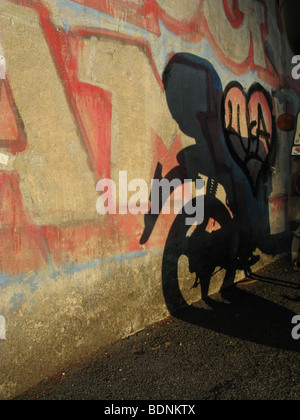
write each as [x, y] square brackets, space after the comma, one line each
[76, 317]
[85, 95]
[236, 346]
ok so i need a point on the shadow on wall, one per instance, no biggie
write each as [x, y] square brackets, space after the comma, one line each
[234, 138]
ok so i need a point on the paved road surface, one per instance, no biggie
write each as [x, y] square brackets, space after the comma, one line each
[237, 345]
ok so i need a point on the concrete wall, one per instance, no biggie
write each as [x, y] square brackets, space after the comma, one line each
[90, 88]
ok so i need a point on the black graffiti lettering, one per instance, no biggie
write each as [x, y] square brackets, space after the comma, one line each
[231, 114]
[261, 123]
[250, 144]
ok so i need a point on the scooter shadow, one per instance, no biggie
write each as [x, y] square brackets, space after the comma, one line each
[246, 316]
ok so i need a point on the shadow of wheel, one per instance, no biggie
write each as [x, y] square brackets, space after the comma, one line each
[205, 251]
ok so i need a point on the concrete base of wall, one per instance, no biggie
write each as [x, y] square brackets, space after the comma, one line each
[53, 323]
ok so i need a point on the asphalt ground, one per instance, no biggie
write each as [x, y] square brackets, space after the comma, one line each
[237, 345]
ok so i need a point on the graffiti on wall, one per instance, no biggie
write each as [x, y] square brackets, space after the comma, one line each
[96, 121]
[202, 19]
[249, 127]
[228, 237]
[12, 131]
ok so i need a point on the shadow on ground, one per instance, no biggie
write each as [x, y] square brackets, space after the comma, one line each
[235, 345]
[239, 313]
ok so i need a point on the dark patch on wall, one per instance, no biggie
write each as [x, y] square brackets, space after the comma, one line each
[233, 132]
